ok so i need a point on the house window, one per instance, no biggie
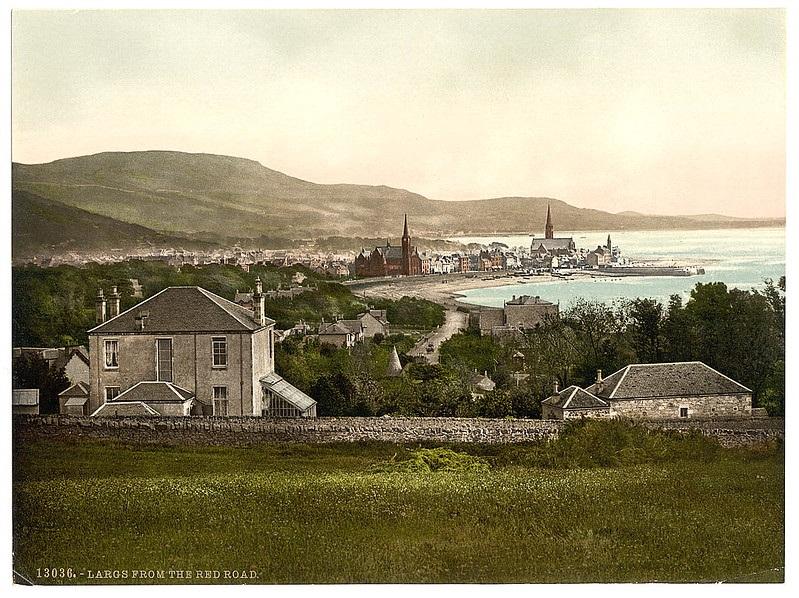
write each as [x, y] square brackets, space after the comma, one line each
[111, 354]
[163, 349]
[683, 411]
[219, 351]
[111, 392]
[220, 400]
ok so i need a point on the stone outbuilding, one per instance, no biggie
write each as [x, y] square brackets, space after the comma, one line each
[74, 400]
[25, 400]
[655, 391]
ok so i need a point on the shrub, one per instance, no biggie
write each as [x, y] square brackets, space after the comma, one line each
[427, 460]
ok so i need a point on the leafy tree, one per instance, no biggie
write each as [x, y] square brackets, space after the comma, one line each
[646, 317]
[30, 370]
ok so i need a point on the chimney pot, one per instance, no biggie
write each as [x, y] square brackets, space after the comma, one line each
[555, 386]
[599, 376]
[99, 305]
[114, 303]
[258, 302]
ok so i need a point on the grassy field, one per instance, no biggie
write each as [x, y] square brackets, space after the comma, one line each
[358, 513]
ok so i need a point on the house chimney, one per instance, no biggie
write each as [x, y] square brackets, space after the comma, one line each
[555, 387]
[600, 385]
[99, 304]
[258, 302]
[113, 304]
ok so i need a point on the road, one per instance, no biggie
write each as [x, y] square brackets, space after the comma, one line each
[454, 322]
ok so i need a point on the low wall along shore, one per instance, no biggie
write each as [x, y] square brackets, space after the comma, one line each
[243, 431]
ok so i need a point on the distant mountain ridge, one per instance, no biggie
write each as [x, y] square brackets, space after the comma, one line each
[42, 226]
[179, 194]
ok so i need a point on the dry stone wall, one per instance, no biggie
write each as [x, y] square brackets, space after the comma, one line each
[243, 431]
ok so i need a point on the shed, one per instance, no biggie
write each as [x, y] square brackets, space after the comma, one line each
[25, 400]
[74, 400]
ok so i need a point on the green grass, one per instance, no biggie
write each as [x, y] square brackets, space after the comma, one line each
[336, 513]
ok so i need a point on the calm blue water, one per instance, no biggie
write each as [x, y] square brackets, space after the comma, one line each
[741, 258]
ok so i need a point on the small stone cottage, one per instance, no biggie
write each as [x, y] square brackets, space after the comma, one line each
[654, 391]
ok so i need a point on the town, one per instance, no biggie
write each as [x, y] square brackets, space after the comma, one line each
[186, 351]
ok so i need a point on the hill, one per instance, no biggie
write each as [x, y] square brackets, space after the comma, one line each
[208, 195]
[42, 225]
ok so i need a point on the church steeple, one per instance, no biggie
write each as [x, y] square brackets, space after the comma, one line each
[406, 249]
[549, 230]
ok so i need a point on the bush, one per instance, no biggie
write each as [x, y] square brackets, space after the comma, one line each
[427, 460]
[615, 443]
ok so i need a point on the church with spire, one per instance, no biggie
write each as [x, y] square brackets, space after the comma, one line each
[390, 260]
[550, 245]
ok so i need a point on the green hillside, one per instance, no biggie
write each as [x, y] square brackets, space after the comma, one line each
[205, 195]
[42, 225]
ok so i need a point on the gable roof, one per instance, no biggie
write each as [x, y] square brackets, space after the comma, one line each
[151, 391]
[650, 380]
[574, 397]
[549, 244]
[182, 310]
[354, 326]
[79, 389]
[333, 328]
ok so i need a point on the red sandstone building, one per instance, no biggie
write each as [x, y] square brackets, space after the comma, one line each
[390, 261]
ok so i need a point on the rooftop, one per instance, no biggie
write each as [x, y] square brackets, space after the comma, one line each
[151, 391]
[574, 397]
[647, 380]
[182, 310]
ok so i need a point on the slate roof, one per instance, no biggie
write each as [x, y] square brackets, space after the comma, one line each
[574, 397]
[182, 310]
[25, 396]
[80, 389]
[354, 326]
[76, 401]
[482, 381]
[113, 408]
[650, 380]
[549, 244]
[333, 328]
[154, 392]
[391, 252]
[287, 392]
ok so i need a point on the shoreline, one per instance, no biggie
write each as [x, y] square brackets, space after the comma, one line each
[444, 289]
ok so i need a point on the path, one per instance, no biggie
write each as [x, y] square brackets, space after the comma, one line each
[454, 322]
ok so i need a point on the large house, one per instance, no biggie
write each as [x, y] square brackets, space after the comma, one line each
[187, 351]
[520, 313]
[654, 391]
[390, 261]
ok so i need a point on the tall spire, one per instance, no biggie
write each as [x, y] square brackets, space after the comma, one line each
[549, 231]
[405, 230]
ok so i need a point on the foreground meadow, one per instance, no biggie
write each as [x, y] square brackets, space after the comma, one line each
[681, 511]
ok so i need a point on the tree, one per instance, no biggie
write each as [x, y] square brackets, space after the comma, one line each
[31, 371]
[646, 318]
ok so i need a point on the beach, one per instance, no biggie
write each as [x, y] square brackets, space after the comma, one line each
[444, 289]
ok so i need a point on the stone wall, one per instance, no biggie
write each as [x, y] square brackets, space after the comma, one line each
[702, 407]
[243, 431]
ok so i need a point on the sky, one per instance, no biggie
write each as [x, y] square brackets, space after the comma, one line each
[678, 111]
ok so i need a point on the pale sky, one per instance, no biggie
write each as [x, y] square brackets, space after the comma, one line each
[658, 111]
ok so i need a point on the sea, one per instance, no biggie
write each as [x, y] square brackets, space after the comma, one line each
[740, 258]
